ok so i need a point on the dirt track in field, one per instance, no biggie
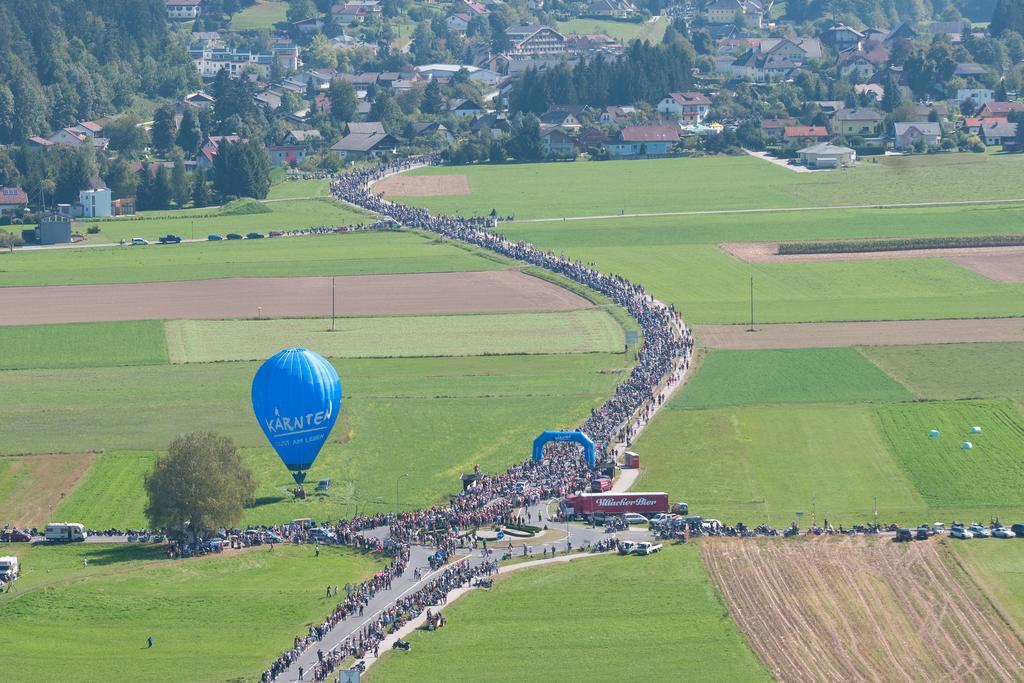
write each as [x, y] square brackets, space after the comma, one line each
[426, 293]
[999, 264]
[423, 186]
[41, 483]
[887, 333]
[861, 609]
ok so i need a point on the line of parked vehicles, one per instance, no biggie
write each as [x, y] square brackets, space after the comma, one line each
[171, 238]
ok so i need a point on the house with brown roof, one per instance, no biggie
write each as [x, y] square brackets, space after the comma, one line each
[644, 140]
[805, 135]
[857, 121]
[363, 145]
[691, 107]
[13, 201]
[907, 134]
[1000, 109]
[997, 132]
[775, 128]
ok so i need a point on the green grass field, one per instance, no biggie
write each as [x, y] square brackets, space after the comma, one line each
[212, 619]
[433, 418]
[787, 376]
[198, 223]
[350, 254]
[622, 31]
[82, 345]
[765, 463]
[263, 14]
[990, 477]
[998, 568]
[556, 190]
[582, 331]
[111, 493]
[710, 286]
[953, 371]
[592, 619]
[299, 189]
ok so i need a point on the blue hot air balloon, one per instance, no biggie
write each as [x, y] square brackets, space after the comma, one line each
[296, 395]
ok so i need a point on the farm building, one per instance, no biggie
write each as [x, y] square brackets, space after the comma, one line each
[824, 155]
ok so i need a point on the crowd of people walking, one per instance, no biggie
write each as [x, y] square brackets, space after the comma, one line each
[499, 498]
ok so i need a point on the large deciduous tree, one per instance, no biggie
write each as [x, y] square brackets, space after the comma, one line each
[201, 484]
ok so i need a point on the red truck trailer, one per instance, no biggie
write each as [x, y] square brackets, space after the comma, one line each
[607, 504]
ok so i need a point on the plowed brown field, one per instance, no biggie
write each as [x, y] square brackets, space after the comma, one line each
[862, 609]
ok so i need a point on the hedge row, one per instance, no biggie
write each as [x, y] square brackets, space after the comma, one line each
[903, 244]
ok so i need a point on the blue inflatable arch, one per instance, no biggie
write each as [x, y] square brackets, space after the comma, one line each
[564, 437]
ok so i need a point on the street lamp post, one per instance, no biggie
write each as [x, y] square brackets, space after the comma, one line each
[397, 482]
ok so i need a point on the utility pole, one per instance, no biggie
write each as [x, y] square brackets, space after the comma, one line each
[751, 328]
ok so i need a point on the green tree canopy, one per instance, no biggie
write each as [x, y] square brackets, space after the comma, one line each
[201, 484]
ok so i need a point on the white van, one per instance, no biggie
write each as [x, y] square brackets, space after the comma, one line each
[9, 568]
[65, 532]
[139, 242]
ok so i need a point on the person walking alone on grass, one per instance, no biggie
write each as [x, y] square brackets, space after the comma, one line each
[149, 642]
[317, 550]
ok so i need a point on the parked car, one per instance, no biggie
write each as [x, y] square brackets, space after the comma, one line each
[903, 535]
[272, 537]
[234, 236]
[139, 242]
[16, 536]
[323, 485]
[276, 233]
[681, 508]
[214, 238]
[960, 532]
[601, 484]
[1003, 532]
[322, 535]
[254, 236]
[660, 518]
[634, 518]
[647, 548]
[1018, 529]
[979, 531]
[170, 239]
[923, 532]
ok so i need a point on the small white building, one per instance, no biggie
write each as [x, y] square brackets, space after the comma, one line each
[96, 203]
[686, 106]
[981, 96]
[184, 9]
[825, 155]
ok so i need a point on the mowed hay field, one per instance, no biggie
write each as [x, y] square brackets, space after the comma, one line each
[862, 609]
[591, 619]
[998, 568]
[760, 435]
[583, 331]
[212, 618]
[82, 345]
[557, 190]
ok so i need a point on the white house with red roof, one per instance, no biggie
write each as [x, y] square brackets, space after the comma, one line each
[692, 107]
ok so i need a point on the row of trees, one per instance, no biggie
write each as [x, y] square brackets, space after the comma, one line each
[63, 61]
[644, 74]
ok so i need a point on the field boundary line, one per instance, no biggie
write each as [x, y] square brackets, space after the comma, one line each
[715, 212]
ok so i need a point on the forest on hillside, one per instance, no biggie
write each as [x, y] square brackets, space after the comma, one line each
[63, 61]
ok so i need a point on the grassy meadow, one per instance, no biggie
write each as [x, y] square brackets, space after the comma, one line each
[556, 190]
[787, 376]
[198, 223]
[998, 568]
[82, 345]
[212, 618]
[622, 31]
[347, 254]
[952, 371]
[434, 418]
[562, 332]
[759, 435]
[263, 14]
[591, 619]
